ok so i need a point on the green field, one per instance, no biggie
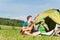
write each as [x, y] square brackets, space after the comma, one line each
[10, 34]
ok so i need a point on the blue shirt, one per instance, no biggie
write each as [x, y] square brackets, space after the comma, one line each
[25, 24]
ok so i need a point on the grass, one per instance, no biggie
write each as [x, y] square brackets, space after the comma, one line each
[8, 27]
[9, 34]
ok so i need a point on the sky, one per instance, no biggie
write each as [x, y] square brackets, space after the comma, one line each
[20, 9]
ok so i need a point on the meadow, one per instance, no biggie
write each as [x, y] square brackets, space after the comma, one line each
[7, 33]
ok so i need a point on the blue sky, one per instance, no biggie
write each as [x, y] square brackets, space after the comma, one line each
[20, 9]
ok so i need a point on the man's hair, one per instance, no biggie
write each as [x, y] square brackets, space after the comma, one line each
[29, 17]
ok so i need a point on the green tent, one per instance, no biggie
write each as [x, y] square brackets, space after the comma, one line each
[51, 17]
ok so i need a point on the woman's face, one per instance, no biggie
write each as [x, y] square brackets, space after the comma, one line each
[42, 23]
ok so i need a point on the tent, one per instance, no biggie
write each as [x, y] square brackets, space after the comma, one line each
[52, 17]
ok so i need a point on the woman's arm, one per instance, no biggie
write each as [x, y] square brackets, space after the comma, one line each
[46, 27]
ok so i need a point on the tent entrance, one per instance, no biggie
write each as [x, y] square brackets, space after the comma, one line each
[51, 24]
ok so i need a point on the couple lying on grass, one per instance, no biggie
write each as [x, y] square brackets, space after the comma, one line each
[32, 29]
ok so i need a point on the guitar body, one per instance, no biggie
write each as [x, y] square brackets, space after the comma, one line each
[30, 25]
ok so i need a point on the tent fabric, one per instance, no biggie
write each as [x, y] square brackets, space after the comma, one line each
[53, 14]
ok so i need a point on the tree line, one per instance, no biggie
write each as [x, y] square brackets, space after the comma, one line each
[11, 22]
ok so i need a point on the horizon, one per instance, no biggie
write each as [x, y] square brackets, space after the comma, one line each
[20, 9]
[10, 18]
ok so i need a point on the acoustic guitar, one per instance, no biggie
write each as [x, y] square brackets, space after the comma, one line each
[30, 25]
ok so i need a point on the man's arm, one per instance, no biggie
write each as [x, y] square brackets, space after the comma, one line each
[35, 27]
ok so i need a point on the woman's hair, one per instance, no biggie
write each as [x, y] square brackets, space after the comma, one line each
[29, 17]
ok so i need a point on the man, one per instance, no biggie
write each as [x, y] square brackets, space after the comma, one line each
[27, 26]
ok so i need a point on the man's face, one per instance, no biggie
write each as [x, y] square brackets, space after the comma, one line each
[30, 19]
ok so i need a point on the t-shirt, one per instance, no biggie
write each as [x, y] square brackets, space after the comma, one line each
[42, 29]
[25, 24]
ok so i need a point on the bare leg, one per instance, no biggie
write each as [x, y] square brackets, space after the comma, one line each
[56, 32]
[27, 33]
[36, 33]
